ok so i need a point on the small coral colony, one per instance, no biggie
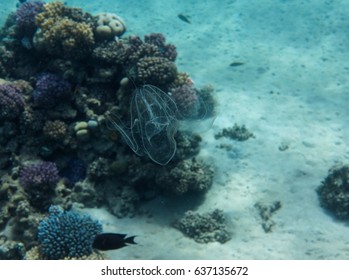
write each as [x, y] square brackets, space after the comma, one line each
[89, 118]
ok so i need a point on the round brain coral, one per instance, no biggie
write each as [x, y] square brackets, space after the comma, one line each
[67, 234]
[109, 25]
[39, 175]
[50, 89]
[11, 102]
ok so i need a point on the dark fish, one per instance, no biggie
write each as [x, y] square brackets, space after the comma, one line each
[236, 63]
[112, 241]
[184, 18]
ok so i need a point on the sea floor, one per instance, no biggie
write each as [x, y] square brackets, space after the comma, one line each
[291, 92]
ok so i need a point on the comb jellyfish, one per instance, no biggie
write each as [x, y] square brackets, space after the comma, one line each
[153, 124]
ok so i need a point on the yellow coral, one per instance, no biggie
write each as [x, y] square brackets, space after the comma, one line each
[182, 79]
[63, 31]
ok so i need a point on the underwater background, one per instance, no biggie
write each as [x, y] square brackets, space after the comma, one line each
[207, 129]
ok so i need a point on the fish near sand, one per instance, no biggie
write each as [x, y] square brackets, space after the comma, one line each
[184, 18]
[112, 241]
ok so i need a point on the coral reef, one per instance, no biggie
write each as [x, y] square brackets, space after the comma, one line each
[66, 234]
[62, 80]
[204, 228]
[334, 192]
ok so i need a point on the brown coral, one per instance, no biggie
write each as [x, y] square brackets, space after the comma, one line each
[111, 53]
[55, 130]
[154, 70]
[64, 31]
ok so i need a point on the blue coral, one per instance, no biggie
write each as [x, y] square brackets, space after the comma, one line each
[25, 17]
[11, 102]
[67, 234]
[39, 175]
[50, 89]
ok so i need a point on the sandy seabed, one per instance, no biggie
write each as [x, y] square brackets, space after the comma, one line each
[292, 90]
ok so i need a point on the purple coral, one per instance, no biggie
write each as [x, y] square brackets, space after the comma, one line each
[186, 99]
[166, 50]
[11, 102]
[50, 89]
[36, 175]
[25, 17]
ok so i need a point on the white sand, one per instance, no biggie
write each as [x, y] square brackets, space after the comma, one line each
[292, 89]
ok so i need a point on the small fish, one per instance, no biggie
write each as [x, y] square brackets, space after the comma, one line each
[112, 241]
[236, 63]
[184, 18]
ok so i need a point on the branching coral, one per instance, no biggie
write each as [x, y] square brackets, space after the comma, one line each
[151, 61]
[166, 50]
[50, 89]
[154, 71]
[67, 234]
[39, 181]
[110, 53]
[25, 17]
[11, 102]
[186, 100]
[55, 130]
[39, 175]
[64, 31]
